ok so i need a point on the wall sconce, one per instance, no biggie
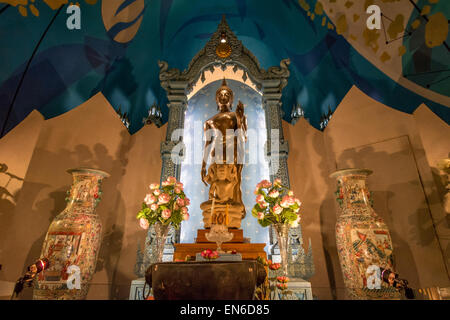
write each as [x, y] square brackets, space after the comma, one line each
[154, 116]
[297, 113]
[124, 118]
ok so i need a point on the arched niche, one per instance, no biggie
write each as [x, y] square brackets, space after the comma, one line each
[179, 84]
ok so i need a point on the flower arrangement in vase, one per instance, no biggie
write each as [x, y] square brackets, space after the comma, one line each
[164, 206]
[277, 206]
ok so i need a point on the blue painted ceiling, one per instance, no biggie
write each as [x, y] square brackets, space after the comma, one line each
[70, 66]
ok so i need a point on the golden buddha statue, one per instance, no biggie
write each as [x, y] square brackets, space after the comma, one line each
[225, 150]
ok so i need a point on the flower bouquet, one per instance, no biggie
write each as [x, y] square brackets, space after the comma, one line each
[162, 207]
[276, 204]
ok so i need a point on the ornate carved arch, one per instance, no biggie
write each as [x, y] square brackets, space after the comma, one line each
[234, 54]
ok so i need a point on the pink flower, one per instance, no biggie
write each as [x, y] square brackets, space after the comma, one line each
[277, 182]
[166, 213]
[277, 209]
[180, 202]
[177, 190]
[172, 180]
[273, 194]
[149, 199]
[287, 201]
[143, 223]
[264, 184]
[163, 198]
[154, 207]
[260, 215]
[184, 210]
[263, 204]
[165, 183]
[179, 185]
[259, 198]
[154, 186]
[187, 201]
[157, 192]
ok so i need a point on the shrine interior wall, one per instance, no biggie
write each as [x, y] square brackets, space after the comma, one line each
[143, 168]
[307, 169]
[16, 150]
[366, 133]
[90, 135]
[434, 135]
[401, 149]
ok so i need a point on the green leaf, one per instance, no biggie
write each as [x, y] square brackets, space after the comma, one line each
[289, 215]
[264, 222]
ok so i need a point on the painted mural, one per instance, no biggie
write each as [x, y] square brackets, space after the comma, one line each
[48, 67]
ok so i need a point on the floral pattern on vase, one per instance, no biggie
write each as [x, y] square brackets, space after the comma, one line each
[73, 239]
[362, 238]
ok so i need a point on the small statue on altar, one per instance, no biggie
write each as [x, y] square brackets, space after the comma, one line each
[226, 154]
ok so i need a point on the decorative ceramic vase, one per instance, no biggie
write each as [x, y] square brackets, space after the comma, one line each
[73, 241]
[363, 241]
[282, 231]
[444, 165]
[161, 231]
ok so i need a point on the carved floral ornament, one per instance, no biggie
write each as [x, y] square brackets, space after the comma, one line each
[216, 53]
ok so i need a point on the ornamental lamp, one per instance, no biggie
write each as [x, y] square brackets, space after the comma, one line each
[154, 116]
[297, 113]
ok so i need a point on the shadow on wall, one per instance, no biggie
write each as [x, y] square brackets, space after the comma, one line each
[111, 209]
[327, 224]
[7, 199]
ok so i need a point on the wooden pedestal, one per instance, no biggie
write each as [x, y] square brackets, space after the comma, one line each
[249, 251]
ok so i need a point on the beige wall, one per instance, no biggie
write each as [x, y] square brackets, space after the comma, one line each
[434, 134]
[16, 149]
[365, 133]
[143, 168]
[400, 148]
[90, 135]
[307, 172]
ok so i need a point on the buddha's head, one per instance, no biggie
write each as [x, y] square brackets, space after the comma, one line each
[224, 97]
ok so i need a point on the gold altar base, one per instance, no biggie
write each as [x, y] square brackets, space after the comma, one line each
[238, 236]
[249, 251]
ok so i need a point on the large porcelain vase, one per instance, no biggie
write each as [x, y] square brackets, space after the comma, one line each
[73, 241]
[363, 241]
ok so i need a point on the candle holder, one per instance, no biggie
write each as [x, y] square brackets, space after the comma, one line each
[219, 234]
